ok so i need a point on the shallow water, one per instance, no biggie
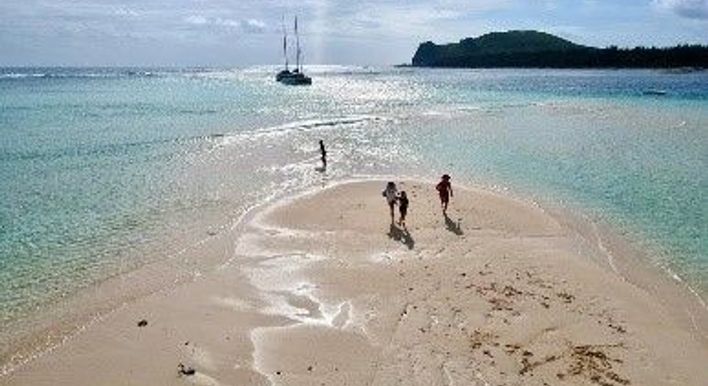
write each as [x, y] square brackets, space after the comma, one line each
[105, 170]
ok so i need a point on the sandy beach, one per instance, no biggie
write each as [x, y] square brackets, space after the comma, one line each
[320, 289]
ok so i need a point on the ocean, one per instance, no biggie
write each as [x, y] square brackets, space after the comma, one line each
[106, 170]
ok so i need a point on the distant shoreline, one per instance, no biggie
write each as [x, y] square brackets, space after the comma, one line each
[534, 49]
[673, 70]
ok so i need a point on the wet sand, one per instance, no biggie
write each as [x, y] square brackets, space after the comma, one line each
[321, 289]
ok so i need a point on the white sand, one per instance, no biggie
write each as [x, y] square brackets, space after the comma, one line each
[321, 290]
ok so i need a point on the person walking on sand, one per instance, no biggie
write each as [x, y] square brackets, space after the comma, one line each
[403, 208]
[323, 154]
[444, 188]
[391, 196]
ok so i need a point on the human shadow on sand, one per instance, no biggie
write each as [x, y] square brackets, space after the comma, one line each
[323, 174]
[402, 235]
[454, 227]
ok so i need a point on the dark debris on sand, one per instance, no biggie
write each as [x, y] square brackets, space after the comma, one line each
[185, 370]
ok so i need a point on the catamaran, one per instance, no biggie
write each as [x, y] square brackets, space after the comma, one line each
[295, 77]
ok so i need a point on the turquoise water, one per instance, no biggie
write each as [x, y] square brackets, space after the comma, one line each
[104, 170]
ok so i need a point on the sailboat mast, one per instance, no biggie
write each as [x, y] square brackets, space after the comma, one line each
[297, 41]
[285, 50]
[285, 43]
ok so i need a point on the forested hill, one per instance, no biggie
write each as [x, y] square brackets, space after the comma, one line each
[539, 49]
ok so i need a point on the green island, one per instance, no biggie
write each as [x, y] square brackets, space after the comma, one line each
[534, 49]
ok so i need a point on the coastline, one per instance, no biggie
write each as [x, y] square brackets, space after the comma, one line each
[489, 136]
[249, 315]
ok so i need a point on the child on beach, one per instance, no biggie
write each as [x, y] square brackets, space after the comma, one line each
[444, 188]
[403, 208]
[391, 196]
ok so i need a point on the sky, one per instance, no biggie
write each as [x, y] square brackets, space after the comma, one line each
[360, 32]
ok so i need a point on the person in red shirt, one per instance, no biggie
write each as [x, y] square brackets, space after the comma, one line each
[444, 188]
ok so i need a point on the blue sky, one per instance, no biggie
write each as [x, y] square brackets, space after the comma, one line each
[247, 32]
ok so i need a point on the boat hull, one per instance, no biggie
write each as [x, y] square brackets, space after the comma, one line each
[282, 74]
[296, 79]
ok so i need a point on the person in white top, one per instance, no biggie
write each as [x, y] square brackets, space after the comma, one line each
[391, 194]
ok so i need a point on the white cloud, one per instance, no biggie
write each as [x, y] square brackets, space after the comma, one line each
[253, 25]
[246, 26]
[226, 23]
[126, 12]
[196, 20]
[694, 9]
[200, 20]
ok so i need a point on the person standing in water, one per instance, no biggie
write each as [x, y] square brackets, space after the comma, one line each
[323, 154]
[444, 188]
[403, 208]
[391, 196]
